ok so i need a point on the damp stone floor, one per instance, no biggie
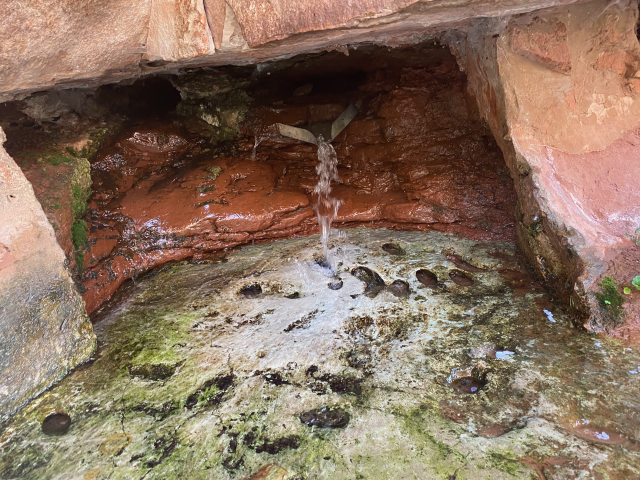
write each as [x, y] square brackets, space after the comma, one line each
[434, 360]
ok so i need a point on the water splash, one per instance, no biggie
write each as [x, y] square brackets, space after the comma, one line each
[327, 207]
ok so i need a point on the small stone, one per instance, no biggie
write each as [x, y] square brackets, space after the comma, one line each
[56, 424]
[335, 284]
[251, 291]
[427, 278]
[393, 249]
[400, 289]
[460, 278]
[115, 444]
[325, 417]
[374, 282]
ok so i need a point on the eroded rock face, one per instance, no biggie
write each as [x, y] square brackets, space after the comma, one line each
[44, 329]
[414, 158]
[560, 92]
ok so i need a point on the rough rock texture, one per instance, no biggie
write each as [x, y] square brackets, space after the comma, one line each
[178, 30]
[68, 42]
[44, 329]
[57, 42]
[414, 158]
[53, 152]
[195, 380]
[560, 90]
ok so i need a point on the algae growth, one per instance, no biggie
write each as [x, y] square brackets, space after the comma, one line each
[195, 379]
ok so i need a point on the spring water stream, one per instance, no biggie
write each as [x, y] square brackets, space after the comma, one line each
[327, 206]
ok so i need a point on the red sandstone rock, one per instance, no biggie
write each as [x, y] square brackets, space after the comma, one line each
[168, 202]
[542, 42]
[569, 140]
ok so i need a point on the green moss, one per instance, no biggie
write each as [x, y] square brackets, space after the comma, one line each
[610, 301]
[79, 202]
[214, 172]
[97, 139]
[535, 228]
[79, 233]
[505, 461]
[210, 188]
[79, 260]
[417, 422]
[55, 158]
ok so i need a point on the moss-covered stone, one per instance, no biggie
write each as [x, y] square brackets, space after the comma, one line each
[211, 384]
[610, 301]
[216, 104]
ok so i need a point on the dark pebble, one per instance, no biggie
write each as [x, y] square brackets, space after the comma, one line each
[462, 265]
[56, 424]
[374, 282]
[400, 288]
[427, 278]
[335, 284]
[392, 249]
[460, 278]
[325, 417]
[251, 291]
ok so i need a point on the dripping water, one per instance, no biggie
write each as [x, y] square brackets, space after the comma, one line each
[327, 207]
[258, 140]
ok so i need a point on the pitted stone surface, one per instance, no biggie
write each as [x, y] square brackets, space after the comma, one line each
[299, 381]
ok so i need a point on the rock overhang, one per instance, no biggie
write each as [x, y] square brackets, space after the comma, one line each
[58, 44]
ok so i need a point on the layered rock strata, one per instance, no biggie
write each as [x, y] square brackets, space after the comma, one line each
[414, 158]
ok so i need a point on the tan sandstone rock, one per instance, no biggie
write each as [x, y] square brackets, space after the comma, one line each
[44, 329]
[570, 138]
[67, 43]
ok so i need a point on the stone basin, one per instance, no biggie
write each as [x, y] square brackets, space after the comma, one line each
[193, 379]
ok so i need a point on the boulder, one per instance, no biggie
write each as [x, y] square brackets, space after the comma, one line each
[44, 328]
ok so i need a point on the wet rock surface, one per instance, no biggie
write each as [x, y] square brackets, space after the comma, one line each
[217, 175]
[44, 329]
[551, 399]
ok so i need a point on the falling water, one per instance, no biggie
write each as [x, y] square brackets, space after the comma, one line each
[258, 141]
[327, 208]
